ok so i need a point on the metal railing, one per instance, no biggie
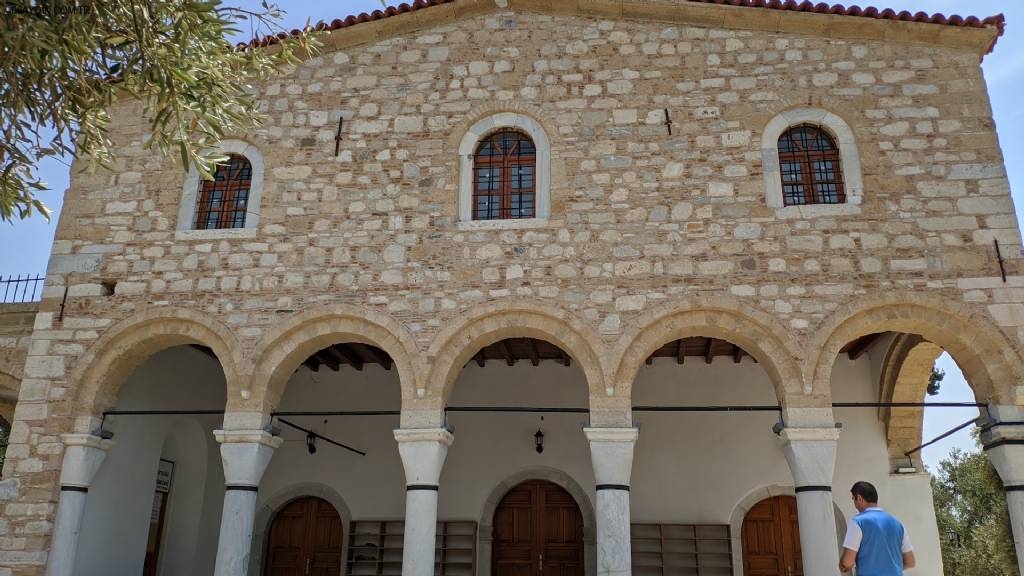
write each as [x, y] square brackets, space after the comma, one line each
[21, 288]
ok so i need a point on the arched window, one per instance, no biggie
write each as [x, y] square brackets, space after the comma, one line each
[810, 166]
[223, 201]
[505, 177]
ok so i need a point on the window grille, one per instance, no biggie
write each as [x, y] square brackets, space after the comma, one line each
[224, 200]
[810, 165]
[505, 177]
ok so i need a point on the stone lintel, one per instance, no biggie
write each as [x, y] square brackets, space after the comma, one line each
[260, 437]
[83, 455]
[423, 453]
[811, 454]
[611, 453]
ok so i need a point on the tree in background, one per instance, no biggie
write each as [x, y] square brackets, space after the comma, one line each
[974, 524]
[63, 63]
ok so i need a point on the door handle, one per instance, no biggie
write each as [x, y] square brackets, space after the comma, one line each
[789, 571]
[308, 561]
[540, 563]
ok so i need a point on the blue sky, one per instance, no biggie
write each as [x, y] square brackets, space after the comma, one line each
[27, 243]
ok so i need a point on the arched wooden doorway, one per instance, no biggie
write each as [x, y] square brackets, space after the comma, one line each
[305, 538]
[538, 531]
[771, 539]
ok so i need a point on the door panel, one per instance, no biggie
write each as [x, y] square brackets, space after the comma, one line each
[305, 540]
[771, 539]
[538, 531]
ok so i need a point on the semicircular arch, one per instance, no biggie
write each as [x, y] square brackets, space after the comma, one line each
[127, 344]
[290, 342]
[455, 345]
[991, 363]
[728, 319]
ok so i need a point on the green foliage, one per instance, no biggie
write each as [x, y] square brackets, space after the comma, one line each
[935, 381]
[63, 63]
[974, 524]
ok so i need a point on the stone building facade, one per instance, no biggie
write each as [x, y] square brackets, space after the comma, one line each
[660, 217]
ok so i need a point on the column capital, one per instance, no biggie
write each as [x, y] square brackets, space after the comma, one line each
[423, 452]
[261, 437]
[442, 435]
[811, 454]
[245, 455]
[612, 434]
[611, 453]
[83, 455]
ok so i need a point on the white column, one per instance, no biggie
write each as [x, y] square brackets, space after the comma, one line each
[246, 455]
[611, 452]
[423, 452]
[811, 453]
[1004, 444]
[83, 455]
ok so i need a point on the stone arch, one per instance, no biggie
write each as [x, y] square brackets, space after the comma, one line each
[478, 327]
[284, 347]
[121, 349]
[755, 497]
[990, 362]
[490, 117]
[849, 157]
[266, 512]
[190, 188]
[719, 317]
[555, 476]
[905, 370]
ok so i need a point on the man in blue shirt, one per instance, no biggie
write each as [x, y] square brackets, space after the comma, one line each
[876, 542]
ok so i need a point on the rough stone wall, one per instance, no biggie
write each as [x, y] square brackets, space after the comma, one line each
[16, 321]
[640, 219]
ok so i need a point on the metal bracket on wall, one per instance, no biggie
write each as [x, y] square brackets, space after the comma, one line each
[668, 122]
[337, 136]
[999, 257]
[63, 302]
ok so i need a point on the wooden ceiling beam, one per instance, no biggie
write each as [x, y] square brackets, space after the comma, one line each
[534, 352]
[329, 357]
[506, 350]
[349, 355]
[566, 359]
[479, 358]
[737, 354]
[708, 356]
[680, 351]
[380, 355]
[862, 346]
[312, 363]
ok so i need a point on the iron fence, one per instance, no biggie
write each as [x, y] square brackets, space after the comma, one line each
[21, 288]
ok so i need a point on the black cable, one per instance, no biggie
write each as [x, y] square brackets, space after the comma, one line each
[324, 438]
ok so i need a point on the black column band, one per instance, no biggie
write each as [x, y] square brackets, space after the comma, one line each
[1004, 442]
[431, 487]
[74, 488]
[623, 487]
[242, 488]
[800, 489]
[1015, 488]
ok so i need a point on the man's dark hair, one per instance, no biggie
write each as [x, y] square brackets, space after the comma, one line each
[866, 491]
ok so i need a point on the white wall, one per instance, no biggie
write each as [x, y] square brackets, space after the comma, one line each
[116, 522]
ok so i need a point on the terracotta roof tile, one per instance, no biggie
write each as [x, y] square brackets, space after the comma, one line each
[998, 21]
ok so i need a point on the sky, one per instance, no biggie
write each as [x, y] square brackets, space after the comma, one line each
[26, 244]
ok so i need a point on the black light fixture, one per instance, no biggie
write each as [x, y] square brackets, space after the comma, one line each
[311, 443]
[538, 440]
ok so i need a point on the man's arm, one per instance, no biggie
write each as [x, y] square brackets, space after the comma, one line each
[909, 561]
[850, 558]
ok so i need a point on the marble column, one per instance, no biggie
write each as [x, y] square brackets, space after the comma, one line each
[811, 453]
[611, 452]
[83, 455]
[423, 452]
[245, 454]
[1004, 444]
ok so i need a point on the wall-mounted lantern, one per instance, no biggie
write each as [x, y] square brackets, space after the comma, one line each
[538, 440]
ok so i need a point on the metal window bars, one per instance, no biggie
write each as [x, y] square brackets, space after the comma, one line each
[17, 289]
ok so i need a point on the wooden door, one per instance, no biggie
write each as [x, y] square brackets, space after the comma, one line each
[305, 540]
[771, 539]
[538, 531]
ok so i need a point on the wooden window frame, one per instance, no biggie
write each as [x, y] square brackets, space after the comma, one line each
[805, 158]
[506, 162]
[237, 175]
